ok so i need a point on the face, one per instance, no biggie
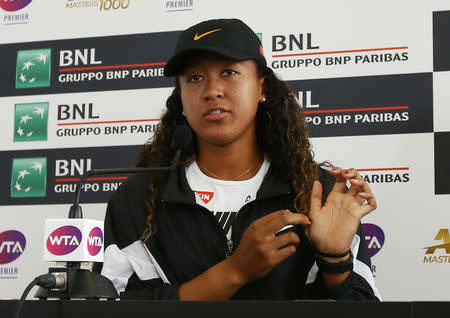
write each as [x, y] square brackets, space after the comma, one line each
[220, 99]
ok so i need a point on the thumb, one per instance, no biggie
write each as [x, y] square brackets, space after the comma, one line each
[316, 197]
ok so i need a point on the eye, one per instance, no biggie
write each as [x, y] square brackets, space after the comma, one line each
[194, 78]
[229, 72]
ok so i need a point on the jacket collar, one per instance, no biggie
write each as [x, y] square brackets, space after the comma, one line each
[177, 189]
[274, 184]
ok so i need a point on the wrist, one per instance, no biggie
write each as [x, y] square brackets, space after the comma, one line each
[235, 276]
[337, 256]
[333, 259]
[335, 265]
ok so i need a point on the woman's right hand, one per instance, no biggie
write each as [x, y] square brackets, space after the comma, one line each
[260, 250]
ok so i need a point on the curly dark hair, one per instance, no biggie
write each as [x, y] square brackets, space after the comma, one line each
[282, 135]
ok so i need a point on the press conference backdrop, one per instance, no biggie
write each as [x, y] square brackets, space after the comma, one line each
[81, 87]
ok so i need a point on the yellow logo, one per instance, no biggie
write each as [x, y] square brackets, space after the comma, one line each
[196, 37]
[443, 236]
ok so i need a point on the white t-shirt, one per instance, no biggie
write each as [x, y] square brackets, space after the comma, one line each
[224, 198]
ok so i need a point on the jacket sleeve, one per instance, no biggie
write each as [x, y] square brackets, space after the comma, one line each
[127, 261]
[360, 285]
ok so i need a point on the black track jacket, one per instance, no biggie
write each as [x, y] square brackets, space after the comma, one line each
[189, 240]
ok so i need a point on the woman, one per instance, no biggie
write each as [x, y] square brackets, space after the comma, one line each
[244, 216]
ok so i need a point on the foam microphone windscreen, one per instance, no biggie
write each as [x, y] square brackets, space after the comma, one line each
[182, 137]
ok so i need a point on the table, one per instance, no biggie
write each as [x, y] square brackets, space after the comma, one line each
[228, 309]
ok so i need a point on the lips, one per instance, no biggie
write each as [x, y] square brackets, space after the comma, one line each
[215, 114]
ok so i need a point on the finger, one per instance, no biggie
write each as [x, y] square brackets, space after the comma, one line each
[369, 207]
[349, 173]
[277, 220]
[283, 218]
[289, 238]
[341, 180]
[364, 188]
[355, 187]
[356, 183]
[366, 194]
[316, 197]
[371, 202]
[284, 253]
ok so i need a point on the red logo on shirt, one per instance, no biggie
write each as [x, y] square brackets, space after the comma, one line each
[205, 196]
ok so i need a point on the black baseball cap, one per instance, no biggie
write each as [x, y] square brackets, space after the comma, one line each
[230, 38]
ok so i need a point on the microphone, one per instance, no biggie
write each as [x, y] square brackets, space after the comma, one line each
[181, 140]
[75, 240]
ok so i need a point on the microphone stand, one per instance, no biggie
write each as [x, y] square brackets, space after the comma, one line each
[82, 283]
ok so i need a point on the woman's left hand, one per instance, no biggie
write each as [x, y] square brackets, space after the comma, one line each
[334, 224]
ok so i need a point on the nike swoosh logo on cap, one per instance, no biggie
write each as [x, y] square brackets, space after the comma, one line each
[196, 37]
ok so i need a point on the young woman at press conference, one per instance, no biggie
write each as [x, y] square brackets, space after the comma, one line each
[247, 214]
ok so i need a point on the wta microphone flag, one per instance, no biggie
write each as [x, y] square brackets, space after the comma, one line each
[73, 240]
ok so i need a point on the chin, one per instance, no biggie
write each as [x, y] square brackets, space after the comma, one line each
[218, 139]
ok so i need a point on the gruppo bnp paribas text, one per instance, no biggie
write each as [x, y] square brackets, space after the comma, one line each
[87, 118]
[70, 60]
[300, 51]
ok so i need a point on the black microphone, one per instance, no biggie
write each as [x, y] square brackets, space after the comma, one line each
[181, 140]
[86, 284]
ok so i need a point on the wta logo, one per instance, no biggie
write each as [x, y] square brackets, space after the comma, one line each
[95, 241]
[12, 245]
[374, 236]
[64, 240]
[14, 5]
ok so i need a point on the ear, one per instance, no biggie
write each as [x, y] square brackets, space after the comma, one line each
[262, 85]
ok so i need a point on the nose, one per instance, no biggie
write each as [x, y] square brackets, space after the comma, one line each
[213, 89]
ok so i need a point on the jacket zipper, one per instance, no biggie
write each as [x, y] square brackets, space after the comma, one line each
[229, 242]
[230, 245]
